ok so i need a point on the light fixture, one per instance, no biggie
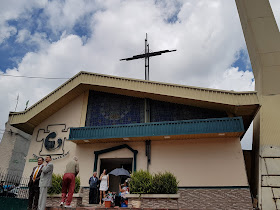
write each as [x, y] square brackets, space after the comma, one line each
[221, 134]
[125, 138]
[86, 141]
[166, 137]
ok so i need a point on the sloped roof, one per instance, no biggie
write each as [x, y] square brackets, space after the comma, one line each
[245, 104]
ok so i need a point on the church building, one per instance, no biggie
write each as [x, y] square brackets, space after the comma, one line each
[110, 122]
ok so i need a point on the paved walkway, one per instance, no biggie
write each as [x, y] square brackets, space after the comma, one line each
[102, 208]
[98, 207]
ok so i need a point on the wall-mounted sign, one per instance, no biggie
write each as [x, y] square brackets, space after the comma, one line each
[52, 141]
[32, 160]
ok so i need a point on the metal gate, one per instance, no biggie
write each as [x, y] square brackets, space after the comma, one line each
[13, 191]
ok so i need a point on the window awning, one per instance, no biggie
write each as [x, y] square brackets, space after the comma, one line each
[184, 129]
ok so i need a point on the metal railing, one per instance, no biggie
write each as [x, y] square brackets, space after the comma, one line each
[13, 185]
[183, 127]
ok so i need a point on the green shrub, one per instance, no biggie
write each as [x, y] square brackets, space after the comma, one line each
[57, 184]
[142, 182]
[164, 183]
[77, 184]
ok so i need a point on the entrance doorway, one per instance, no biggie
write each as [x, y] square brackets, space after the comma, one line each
[112, 163]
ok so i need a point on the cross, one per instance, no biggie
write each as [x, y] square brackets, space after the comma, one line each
[146, 55]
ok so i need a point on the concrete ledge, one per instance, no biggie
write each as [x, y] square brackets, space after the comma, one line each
[75, 195]
[54, 200]
[174, 196]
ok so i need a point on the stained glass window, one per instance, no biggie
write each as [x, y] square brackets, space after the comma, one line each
[112, 109]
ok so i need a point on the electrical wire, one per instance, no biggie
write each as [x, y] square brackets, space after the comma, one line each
[31, 77]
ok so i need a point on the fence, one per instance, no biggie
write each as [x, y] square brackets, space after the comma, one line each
[13, 185]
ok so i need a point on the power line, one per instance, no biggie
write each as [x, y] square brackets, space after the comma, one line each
[30, 77]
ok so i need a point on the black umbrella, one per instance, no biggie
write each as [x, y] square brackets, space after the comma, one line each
[120, 172]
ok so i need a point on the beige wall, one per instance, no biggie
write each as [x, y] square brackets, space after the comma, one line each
[263, 42]
[69, 115]
[85, 153]
[199, 162]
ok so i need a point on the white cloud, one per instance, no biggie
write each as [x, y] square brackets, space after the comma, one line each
[206, 34]
[23, 35]
[247, 139]
[63, 15]
[233, 79]
[275, 5]
[6, 31]
[12, 10]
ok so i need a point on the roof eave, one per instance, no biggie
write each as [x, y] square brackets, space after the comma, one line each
[27, 120]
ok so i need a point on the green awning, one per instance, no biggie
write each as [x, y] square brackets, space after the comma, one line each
[169, 128]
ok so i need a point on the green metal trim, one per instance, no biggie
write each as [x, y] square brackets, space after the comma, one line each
[168, 128]
[111, 149]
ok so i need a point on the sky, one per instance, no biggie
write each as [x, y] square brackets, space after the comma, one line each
[58, 39]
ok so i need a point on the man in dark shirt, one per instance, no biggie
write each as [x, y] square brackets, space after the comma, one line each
[33, 185]
[93, 189]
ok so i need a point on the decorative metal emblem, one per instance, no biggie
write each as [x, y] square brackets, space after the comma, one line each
[50, 144]
[52, 139]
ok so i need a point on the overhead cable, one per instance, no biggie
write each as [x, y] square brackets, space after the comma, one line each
[31, 77]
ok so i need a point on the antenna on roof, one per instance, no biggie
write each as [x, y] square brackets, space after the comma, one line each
[17, 102]
[147, 56]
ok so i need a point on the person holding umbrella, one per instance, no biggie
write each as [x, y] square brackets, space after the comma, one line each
[124, 189]
[121, 172]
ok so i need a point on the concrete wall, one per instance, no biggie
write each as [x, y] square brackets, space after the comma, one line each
[13, 150]
[263, 42]
[85, 153]
[199, 162]
[69, 115]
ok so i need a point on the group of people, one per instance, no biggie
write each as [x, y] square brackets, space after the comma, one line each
[95, 184]
[41, 179]
[102, 185]
[39, 182]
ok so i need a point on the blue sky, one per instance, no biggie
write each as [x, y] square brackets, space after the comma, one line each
[12, 51]
[60, 38]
